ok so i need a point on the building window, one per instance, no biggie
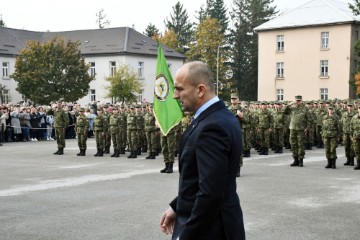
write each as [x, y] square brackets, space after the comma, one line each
[141, 96]
[5, 96]
[280, 43]
[92, 95]
[324, 94]
[141, 69]
[92, 69]
[5, 69]
[280, 94]
[280, 70]
[112, 68]
[325, 40]
[324, 68]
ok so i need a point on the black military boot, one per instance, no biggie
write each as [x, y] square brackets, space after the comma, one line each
[134, 154]
[107, 150]
[61, 151]
[280, 150]
[131, 154]
[138, 151]
[144, 149]
[101, 153]
[97, 153]
[333, 163]
[170, 168]
[83, 152]
[79, 154]
[264, 152]
[352, 161]
[247, 153]
[153, 156]
[165, 169]
[301, 162]
[122, 150]
[358, 165]
[114, 154]
[295, 163]
[329, 164]
[150, 155]
[57, 152]
[117, 154]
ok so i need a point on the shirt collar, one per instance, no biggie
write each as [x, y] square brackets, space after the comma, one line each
[206, 106]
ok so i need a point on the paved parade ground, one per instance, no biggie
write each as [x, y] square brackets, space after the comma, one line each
[43, 196]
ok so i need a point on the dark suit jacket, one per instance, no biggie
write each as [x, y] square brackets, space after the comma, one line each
[207, 205]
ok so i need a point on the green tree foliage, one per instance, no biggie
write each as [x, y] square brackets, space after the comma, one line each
[170, 39]
[355, 7]
[216, 9]
[100, 19]
[179, 23]
[248, 14]
[209, 39]
[151, 31]
[52, 70]
[124, 85]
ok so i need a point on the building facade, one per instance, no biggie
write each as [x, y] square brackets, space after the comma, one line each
[308, 51]
[104, 49]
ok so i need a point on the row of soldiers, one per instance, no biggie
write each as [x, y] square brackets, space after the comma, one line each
[299, 126]
[133, 127]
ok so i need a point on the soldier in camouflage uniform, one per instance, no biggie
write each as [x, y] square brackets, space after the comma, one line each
[61, 121]
[236, 109]
[115, 128]
[81, 128]
[99, 132]
[264, 129]
[355, 136]
[346, 129]
[168, 150]
[278, 127]
[299, 123]
[107, 133]
[320, 113]
[123, 132]
[330, 132]
[311, 131]
[245, 120]
[140, 129]
[131, 124]
[150, 128]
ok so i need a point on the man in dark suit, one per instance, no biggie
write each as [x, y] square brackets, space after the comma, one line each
[207, 205]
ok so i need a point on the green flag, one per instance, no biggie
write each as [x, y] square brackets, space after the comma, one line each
[167, 110]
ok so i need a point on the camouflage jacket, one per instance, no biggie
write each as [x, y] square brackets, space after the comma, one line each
[330, 126]
[82, 124]
[355, 126]
[299, 117]
[149, 122]
[346, 120]
[61, 119]
[279, 119]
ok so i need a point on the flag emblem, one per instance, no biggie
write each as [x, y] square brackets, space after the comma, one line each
[161, 87]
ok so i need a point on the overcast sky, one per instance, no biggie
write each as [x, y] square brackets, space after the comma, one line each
[66, 15]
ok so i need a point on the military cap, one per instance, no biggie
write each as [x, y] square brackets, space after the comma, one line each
[234, 95]
[298, 97]
[82, 110]
[138, 106]
[115, 108]
[350, 104]
[263, 103]
[331, 107]
[105, 106]
[100, 109]
[132, 106]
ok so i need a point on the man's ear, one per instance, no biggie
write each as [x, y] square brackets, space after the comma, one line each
[201, 90]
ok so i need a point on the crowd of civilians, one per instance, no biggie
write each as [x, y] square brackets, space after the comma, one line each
[26, 122]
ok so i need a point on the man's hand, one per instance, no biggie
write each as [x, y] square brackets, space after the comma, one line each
[239, 113]
[167, 221]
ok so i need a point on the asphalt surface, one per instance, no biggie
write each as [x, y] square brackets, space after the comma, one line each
[43, 196]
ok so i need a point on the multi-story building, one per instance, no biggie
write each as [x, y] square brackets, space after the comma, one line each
[308, 51]
[103, 49]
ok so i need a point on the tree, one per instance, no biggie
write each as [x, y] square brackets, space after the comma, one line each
[52, 70]
[151, 31]
[248, 14]
[216, 9]
[356, 81]
[170, 39]
[355, 7]
[101, 19]
[2, 23]
[179, 23]
[124, 84]
[207, 48]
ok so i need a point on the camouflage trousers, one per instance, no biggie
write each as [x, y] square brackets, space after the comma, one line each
[99, 139]
[318, 134]
[356, 146]
[278, 137]
[60, 137]
[310, 136]
[168, 147]
[132, 139]
[297, 141]
[141, 138]
[115, 137]
[349, 150]
[82, 137]
[150, 139]
[107, 138]
[123, 137]
[246, 137]
[330, 144]
[264, 135]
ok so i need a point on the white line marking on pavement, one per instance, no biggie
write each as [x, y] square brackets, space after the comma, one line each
[71, 182]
